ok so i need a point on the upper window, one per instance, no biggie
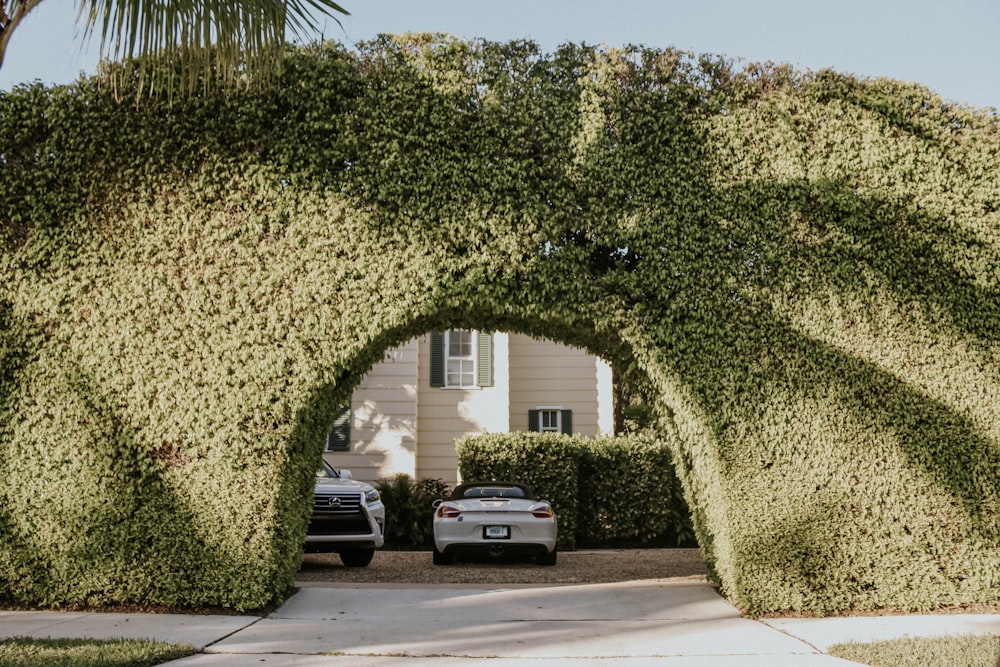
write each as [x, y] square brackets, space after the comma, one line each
[461, 358]
[460, 363]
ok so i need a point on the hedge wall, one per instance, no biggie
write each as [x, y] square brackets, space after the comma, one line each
[800, 267]
[629, 494]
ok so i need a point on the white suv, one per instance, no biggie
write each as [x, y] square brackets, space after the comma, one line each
[347, 517]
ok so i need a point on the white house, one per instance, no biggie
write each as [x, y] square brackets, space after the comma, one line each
[407, 412]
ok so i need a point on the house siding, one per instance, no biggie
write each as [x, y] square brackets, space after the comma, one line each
[448, 414]
[401, 424]
[384, 419]
[545, 373]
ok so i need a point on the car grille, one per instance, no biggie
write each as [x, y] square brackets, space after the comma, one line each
[337, 504]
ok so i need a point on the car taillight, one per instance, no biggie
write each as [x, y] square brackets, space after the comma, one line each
[446, 512]
[542, 512]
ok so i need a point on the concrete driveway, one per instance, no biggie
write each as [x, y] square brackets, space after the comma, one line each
[649, 622]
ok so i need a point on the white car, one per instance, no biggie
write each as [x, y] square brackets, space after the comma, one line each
[494, 519]
[348, 517]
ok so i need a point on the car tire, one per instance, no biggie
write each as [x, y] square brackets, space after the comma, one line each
[357, 557]
[441, 558]
[547, 559]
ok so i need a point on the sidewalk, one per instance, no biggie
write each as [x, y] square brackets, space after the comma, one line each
[612, 625]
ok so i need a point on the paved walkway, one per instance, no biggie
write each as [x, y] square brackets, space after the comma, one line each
[606, 625]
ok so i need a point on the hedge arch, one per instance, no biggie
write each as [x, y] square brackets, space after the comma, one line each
[800, 268]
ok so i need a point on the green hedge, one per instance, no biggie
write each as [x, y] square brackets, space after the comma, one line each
[630, 495]
[800, 269]
[607, 492]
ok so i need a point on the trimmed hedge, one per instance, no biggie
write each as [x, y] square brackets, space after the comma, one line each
[800, 269]
[629, 495]
[607, 492]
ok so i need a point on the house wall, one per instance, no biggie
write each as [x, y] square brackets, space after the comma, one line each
[545, 373]
[400, 424]
[384, 419]
[447, 414]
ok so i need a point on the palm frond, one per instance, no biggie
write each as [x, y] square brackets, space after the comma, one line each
[181, 45]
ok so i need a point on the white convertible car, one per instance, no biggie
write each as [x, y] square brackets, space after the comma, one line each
[494, 519]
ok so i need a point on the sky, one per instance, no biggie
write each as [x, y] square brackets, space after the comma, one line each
[951, 46]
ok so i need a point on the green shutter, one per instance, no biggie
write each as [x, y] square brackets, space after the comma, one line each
[567, 422]
[533, 424]
[339, 438]
[484, 360]
[437, 359]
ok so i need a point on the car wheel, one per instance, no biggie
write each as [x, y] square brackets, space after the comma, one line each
[441, 558]
[547, 559]
[357, 557]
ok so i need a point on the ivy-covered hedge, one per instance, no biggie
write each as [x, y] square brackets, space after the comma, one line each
[629, 494]
[800, 269]
[607, 492]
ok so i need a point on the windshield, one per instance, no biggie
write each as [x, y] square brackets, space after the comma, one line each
[493, 492]
[327, 470]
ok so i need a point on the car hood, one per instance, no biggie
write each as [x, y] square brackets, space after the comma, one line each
[338, 484]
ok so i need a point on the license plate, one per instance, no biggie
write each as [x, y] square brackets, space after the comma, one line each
[496, 532]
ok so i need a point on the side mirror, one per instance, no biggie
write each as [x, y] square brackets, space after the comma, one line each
[345, 474]
[436, 503]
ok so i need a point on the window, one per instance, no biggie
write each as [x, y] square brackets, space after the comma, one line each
[339, 438]
[548, 420]
[544, 419]
[460, 365]
[461, 358]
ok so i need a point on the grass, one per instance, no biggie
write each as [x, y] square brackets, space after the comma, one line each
[948, 651]
[29, 652]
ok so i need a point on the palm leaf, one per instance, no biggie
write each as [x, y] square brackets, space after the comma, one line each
[177, 45]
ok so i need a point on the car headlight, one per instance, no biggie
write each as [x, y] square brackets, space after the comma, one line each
[371, 495]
